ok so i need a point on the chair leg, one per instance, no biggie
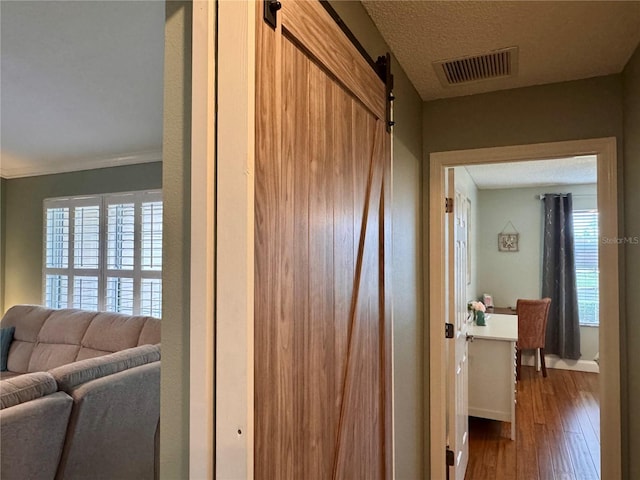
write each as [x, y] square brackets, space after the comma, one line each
[544, 366]
[518, 363]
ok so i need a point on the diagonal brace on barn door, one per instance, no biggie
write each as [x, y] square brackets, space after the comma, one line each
[372, 198]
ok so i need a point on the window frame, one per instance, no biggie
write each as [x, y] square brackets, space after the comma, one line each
[102, 272]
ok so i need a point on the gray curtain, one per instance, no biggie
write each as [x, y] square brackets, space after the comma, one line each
[559, 278]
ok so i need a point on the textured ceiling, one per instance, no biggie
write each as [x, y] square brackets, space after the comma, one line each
[81, 84]
[537, 173]
[558, 41]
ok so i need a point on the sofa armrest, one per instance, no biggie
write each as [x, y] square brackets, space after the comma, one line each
[24, 388]
[32, 435]
[112, 428]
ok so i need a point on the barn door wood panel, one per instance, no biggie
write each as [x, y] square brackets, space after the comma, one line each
[322, 297]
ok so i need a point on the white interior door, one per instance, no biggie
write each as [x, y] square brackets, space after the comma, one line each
[457, 367]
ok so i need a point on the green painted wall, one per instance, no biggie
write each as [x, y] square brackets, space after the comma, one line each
[631, 166]
[23, 219]
[561, 111]
[407, 252]
[580, 109]
[174, 385]
[519, 274]
[3, 204]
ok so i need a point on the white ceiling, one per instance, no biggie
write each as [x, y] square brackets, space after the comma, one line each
[81, 84]
[536, 173]
[558, 40]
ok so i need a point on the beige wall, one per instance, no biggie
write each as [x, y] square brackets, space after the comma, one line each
[174, 387]
[631, 165]
[581, 109]
[407, 273]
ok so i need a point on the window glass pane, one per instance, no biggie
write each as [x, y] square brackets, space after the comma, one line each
[152, 236]
[56, 291]
[120, 237]
[85, 293]
[57, 238]
[86, 236]
[585, 228]
[151, 297]
[119, 295]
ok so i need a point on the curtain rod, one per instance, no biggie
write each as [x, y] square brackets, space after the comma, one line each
[541, 197]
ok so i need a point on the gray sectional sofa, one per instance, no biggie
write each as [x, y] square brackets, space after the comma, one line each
[81, 397]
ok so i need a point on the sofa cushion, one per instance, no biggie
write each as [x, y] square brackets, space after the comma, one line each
[46, 356]
[66, 326]
[113, 332]
[28, 320]
[58, 341]
[24, 388]
[150, 332]
[6, 337]
[74, 374]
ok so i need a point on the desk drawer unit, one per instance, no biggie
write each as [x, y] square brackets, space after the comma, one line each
[492, 380]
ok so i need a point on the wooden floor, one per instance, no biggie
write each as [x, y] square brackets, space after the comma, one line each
[557, 432]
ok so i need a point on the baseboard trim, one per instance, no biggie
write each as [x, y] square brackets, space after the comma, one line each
[553, 361]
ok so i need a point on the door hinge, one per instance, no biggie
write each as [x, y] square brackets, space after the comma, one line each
[270, 12]
[448, 205]
[448, 330]
[450, 458]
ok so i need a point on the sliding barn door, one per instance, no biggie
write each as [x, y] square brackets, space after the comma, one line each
[322, 303]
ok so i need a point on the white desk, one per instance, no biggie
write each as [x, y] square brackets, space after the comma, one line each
[492, 372]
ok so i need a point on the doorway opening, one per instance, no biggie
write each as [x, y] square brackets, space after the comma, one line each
[604, 151]
[557, 427]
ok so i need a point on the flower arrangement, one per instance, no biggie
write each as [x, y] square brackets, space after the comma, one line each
[476, 306]
[478, 309]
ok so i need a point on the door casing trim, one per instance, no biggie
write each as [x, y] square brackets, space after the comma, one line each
[236, 114]
[609, 339]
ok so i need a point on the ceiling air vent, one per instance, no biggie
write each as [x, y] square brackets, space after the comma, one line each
[459, 71]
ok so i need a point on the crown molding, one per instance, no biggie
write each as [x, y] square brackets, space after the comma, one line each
[82, 164]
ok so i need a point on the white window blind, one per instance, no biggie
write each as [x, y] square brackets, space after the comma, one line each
[86, 237]
[121, 236]
[585, 228]
[57, 237]
[152, 236]
[104, 252]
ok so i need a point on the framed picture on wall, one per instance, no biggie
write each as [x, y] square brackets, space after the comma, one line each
[508, 242]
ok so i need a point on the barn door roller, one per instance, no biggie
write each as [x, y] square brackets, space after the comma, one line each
[270, 12]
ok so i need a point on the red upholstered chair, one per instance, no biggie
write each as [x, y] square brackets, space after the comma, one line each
[532, 325]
